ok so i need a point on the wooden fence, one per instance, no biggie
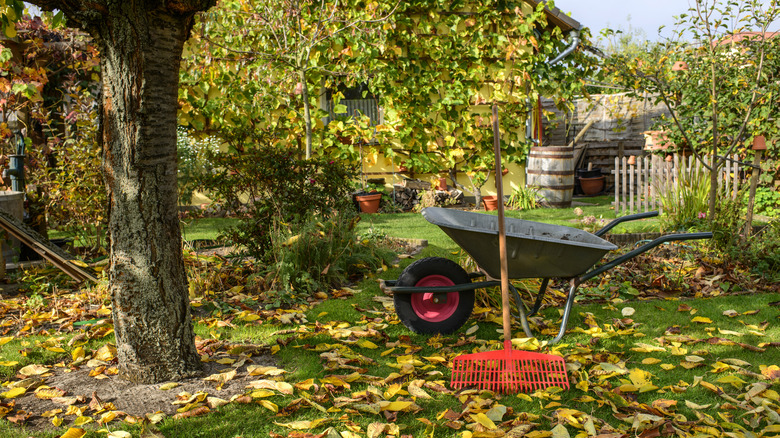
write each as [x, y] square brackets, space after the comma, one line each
[638, 185]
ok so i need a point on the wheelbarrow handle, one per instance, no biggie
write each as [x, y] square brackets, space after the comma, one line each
[644, 248]
[631, 217]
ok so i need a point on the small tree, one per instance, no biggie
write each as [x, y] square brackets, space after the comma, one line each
[721, 89]
[282, 50]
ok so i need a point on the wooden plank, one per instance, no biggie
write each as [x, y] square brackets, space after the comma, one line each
[617, 185]
[54, 254]
[736, 178]
[623, 166]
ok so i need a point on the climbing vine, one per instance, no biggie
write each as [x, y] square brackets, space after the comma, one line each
[433, 66]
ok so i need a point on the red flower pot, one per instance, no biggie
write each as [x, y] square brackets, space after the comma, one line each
[592, 186]
[490, 203]
[369, 203]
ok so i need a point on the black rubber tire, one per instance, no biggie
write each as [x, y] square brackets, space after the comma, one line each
[418, 271]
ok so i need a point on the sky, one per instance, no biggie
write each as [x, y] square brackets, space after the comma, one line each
[647, 15]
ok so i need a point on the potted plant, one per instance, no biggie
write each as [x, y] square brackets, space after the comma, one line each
[368, 199]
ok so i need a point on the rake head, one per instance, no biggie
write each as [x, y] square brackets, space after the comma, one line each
[509, 370]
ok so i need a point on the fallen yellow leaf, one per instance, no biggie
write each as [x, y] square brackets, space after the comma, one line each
[14, 392]
[74, 432]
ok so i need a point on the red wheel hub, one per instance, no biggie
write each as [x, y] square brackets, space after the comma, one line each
[435, 307]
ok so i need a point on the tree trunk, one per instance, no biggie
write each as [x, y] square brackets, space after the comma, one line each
[140, 57]
[140, 49]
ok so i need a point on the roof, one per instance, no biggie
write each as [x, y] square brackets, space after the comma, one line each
[755, 36]
[558, 17]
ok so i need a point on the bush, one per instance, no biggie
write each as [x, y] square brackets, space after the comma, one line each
[70, 178]
[685, 200]
[524, 198]
[767, 201]
[318, 255]
[264, 186]
[760, 252]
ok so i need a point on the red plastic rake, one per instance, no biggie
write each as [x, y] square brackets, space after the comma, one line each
[507, 370]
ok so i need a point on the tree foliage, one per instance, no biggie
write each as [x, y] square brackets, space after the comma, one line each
[722, 89]
[49, 85]
[445, 64]
[249, 69]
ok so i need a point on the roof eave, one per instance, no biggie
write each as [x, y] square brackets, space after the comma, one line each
[558, 17]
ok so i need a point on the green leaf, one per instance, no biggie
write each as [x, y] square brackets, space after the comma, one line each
[5, 54]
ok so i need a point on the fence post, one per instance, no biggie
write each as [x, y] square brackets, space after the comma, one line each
[616, 172]
[625, 198]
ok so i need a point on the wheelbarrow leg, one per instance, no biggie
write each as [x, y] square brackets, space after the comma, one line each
[521, 311]
[539, 297]
[524, 318]
[575, 282]
[566, 310]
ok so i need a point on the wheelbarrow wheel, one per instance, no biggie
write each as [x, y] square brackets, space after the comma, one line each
[432, 313]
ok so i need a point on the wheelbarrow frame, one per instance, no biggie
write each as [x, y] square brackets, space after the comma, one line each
[391, 287]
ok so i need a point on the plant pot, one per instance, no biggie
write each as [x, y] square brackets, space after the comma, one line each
[442, 184]
[585, 173]
[369, 203]
[592, 186]
[490, 203]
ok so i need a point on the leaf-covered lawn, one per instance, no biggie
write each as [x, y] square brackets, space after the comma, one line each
[343, 365]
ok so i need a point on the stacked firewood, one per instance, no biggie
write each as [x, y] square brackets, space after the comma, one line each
[410, 193]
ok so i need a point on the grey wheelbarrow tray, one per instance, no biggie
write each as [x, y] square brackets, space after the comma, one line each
[534, 250]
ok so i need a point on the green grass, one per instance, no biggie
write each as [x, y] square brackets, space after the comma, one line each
[650, 323]
[204, 228]
[615, 339]
[651, 320]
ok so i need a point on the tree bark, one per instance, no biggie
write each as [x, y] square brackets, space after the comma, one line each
[141, 44]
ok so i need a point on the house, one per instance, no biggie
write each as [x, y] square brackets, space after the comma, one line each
[500, 80]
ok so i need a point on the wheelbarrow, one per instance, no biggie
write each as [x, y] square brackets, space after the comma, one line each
[436, 295]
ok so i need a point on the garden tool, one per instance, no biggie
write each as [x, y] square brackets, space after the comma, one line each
[507, 370]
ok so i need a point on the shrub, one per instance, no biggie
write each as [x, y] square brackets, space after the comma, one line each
[524, 198]
[685, 200]
[264, 186]
[318, 255]
[767, 201]
[69, 176]
[761, 252]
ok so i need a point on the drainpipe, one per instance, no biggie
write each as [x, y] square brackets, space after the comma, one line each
[16, 166]
[574, 41]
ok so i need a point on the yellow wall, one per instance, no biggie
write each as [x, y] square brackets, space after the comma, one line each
[380, 166]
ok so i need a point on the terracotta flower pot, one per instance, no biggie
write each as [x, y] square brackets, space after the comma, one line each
[369, 203]
[592, 186]
[442, 184]
[490, 203]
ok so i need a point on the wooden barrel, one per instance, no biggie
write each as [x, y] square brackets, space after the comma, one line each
[551, 170]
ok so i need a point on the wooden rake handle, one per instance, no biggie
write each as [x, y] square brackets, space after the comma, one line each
[507, 316]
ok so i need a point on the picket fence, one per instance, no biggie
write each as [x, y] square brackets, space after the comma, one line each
[637, 186]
